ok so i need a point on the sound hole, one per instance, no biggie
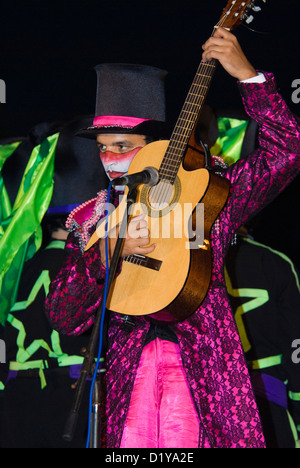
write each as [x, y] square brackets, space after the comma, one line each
[160, 195]
[160, 199]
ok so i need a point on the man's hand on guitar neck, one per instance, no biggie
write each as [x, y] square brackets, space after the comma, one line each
[224, 47]
[136, 242]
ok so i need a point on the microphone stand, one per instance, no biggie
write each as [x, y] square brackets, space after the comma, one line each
[90, 353]
[95, 435]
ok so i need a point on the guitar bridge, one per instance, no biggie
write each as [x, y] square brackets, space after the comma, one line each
[143, 260]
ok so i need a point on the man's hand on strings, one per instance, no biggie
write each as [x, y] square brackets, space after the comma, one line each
[224, 47]
[136, 242]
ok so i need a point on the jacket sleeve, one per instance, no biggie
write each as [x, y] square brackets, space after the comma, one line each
[76, 292]
[259, 178]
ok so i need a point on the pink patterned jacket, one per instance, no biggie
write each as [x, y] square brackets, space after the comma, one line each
[211, 351]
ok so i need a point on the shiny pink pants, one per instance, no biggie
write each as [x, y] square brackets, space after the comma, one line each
[161, 412]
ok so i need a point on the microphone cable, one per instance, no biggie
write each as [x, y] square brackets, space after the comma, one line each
[101, 323]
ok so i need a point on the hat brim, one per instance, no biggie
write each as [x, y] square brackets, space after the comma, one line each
[150, 128]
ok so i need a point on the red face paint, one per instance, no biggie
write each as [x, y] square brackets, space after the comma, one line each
[117, 164]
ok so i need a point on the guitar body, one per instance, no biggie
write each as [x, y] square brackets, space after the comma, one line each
[176, 275]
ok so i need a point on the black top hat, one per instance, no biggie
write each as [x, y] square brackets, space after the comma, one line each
[130, 99]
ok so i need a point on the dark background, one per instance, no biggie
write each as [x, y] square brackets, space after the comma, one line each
[49, 48]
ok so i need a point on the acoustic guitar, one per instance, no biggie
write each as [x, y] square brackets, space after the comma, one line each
[171, 283]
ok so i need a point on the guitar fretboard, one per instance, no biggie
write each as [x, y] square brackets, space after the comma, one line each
[232, 16]
[186, 121]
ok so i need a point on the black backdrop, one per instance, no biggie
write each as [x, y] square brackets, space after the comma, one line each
[49, 48]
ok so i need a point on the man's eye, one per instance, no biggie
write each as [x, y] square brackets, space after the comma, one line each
[123, 148]
[102, 148]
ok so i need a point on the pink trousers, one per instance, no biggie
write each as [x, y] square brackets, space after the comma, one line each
[161, 412]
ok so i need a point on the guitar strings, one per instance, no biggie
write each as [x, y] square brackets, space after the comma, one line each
[181, 132]
[194, 101]
[179, 139]
[201, 80]
[191, 108]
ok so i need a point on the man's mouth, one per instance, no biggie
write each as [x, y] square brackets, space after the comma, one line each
[114, 174]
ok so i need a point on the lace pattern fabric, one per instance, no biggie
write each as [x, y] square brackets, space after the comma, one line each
[210, 347]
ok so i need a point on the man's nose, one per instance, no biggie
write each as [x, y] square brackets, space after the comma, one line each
[107, 154]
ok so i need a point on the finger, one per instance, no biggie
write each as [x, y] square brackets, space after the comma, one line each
[213, 41]
[142, 241]
[215, 52]
[221, 38]
[222, 32]
[212, 46]
[137, 227]
[134, 229]
[142, 225]
[144, 233]
[138, 234]
[217, 45]
[145, 250]
[138, 218]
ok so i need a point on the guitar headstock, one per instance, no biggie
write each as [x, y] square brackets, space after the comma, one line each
[235, 12]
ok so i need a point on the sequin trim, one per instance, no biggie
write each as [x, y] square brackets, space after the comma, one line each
[83, 231]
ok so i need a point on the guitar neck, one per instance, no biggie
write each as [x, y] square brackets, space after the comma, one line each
[233, 14]
[187, 120]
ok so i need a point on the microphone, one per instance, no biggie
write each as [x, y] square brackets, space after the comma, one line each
[149, 176]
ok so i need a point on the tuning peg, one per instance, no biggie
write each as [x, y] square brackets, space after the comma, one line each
[249, 19]
[256, 8]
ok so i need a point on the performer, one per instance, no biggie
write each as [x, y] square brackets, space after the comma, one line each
[187, 384]
[263, 287]
[41, 365]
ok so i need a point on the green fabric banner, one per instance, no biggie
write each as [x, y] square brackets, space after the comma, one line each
[231, 136]
[20, 231]
[5, 207]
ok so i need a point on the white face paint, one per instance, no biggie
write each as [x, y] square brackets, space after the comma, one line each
[116, 166]
[117, 151]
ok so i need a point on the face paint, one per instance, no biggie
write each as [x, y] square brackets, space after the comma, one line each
[116, 164]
